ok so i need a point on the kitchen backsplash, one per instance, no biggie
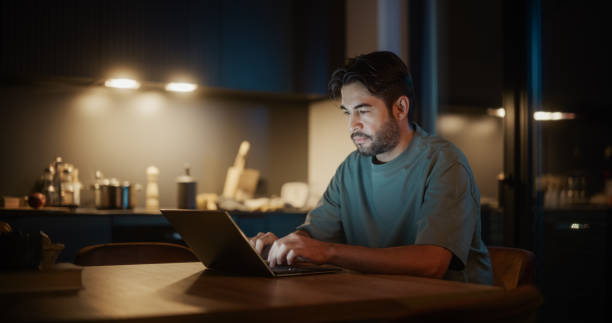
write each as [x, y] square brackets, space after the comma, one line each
[121, 133]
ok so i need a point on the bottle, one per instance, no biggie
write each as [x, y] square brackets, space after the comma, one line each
[187, 190]
[67, 186]
[58, 167]
[47, 185]
[152, 192]
[99, 198]
[76, 185]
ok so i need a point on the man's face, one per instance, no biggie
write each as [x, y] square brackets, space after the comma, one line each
[373, 130]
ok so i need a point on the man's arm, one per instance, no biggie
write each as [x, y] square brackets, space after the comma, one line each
[421, 260]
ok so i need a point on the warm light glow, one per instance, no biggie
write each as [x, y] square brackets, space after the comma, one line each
[149, 103]
[538, 115]
[451, 123]
[500, 112]
[579, 226]
[551, 116]
[93, 102]
[181, 87]
[122, 83]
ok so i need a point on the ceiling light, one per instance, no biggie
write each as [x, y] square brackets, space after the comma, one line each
[122, 83]
[553, 116]
[181, 87]
[500, 112]
[538, 115]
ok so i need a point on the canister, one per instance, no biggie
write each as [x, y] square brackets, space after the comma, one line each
[187, 190]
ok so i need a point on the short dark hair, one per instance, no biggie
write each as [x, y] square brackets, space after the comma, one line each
[383, 73]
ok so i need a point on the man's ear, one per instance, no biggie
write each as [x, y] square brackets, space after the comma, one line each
[401, 108]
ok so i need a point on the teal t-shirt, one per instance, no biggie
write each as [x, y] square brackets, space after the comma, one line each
[425, 196]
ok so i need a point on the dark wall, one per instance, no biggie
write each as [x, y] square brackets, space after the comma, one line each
[575, 56]
[470, 53]
[123, 132]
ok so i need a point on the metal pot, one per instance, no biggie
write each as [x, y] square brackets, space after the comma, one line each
[111, 195]
[127, 199]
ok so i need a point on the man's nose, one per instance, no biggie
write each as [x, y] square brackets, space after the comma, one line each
[354, 123]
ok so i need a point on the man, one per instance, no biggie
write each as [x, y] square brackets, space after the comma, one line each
[404, 202]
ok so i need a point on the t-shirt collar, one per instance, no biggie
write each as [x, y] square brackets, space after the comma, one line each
[408, 156]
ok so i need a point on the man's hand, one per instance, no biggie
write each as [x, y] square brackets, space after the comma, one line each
[422, 260]
[262, 240]
[298, 246]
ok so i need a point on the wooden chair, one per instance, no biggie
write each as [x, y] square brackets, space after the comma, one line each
[512, 267]
[132, 253]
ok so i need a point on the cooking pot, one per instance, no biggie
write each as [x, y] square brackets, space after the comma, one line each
[109, 194]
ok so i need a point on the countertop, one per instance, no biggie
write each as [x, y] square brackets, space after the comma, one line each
[136, 211]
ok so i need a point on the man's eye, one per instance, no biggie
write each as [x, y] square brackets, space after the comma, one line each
[362, 111]
[346, 113]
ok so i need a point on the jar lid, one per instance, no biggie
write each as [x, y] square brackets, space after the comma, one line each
[185, 178]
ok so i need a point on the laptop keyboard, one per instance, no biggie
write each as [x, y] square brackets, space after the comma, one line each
[297, 269]
[290, 269]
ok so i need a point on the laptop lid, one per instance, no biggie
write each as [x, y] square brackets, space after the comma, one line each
[218, 241]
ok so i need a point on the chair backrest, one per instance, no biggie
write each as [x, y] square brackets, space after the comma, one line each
[512, 267]
[132, 253]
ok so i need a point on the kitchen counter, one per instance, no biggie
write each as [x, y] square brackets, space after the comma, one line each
[136, 211]
[75, 210]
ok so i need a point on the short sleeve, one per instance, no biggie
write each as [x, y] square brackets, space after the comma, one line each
[324, 222]
[449, 212]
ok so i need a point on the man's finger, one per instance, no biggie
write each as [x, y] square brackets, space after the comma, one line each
[270, 236]
[259, 246]
[295, 256]
[271, 254]
[281, 256]
[253, 239]
[277, 253]
[291, 256]
[272, 259]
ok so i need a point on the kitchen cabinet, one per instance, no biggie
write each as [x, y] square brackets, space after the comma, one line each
[242, 45]
[256, 42]
[74, 231]
[82, 227]
[91, 39]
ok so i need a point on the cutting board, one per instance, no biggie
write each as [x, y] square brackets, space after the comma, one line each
[240, 183]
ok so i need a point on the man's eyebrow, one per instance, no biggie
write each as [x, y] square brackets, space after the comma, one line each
[361, 105]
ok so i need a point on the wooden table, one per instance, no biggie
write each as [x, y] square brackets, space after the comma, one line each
[185, 292]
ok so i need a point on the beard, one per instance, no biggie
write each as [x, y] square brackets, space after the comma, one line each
[385, 139]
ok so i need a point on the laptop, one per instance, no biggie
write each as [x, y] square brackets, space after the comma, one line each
[220, 244]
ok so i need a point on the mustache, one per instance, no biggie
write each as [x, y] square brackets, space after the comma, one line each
[360, 134]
